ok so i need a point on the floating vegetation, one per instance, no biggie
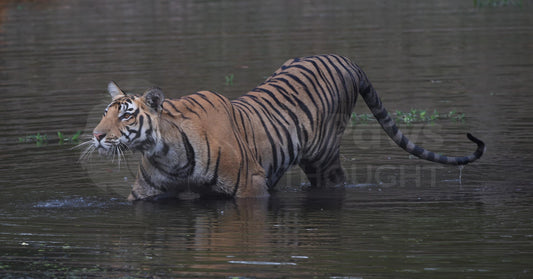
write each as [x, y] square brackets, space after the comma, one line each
[37, 139]
[73, 139]
[229, 79]
[497, 3]
[412, 116]
[40, 139]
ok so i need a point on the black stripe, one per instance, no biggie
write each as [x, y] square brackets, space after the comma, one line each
[243, 160]
[175, 171]
[236, 186]
[275, 122]
[292, 116]
[287, 97]
[273, 145]
[169, 113]
[136, 112]
[195, 102]
[339, 71]
[153, 161]
[403, 142]
[218, 96]
[394, 130]
[208, 154]
[354, 71]
[126, 135]
[269, 176]
[205, 98]
[273, 107]
[149, 141]
[328, 81]
[275, 96]
[172, 106]
[256, 151]
[313, 80]
[339, 75]
[418, 151]
[188, 168]
[287, 83]
[269, 117]
[310, 95]
[137, 132]
[243, 124]
[304, 86]
[165, 148]
[189, 109]
[150, 129]
[326, 107]
[382, 114]
[175, 109]
[288, 134]
[215, 171]
[146, 177]
[430, 156]
[189, 151]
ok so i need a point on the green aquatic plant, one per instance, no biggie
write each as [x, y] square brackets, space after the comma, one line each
[40, 139]
[364, 117]
[73, 139]
[497, 3]
[456, 116]
[412, 116]
[229, 79]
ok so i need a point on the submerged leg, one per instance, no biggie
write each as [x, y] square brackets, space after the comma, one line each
[324, 174]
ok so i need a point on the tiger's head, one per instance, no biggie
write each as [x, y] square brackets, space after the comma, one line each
[129, 122]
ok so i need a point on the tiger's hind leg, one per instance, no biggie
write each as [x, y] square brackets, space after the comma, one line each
[322, 174]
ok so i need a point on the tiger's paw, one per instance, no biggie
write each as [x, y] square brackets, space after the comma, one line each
[153, 195]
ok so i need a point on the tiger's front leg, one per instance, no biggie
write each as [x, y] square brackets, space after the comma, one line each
[141, 191]
[150, 184]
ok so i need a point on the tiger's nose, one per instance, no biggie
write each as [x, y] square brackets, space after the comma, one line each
[99, 136]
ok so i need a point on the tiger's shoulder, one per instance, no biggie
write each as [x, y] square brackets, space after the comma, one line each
[195, 106]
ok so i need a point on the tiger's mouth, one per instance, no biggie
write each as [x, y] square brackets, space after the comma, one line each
[110, 148]
[104, 145]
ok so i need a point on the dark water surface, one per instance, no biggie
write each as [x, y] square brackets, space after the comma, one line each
[397, 217]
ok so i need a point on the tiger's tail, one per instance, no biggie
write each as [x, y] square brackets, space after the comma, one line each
[373, 101]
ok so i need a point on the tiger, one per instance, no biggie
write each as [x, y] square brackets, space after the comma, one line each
[208, 144]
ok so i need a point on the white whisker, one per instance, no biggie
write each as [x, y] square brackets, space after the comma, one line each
[112, 152]
[117, 153]
[82, 145]
[87, 152]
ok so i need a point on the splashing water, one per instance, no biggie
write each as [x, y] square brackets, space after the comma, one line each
[461, 167]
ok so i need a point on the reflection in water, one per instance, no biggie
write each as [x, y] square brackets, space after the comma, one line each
[397, 217]
[299, 232]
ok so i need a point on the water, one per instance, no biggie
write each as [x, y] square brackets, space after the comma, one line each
[397, 217]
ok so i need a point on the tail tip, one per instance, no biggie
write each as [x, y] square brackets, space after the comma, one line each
[481, 148]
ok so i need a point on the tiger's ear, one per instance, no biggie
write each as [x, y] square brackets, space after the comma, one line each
[114, 90]
[154, 98]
